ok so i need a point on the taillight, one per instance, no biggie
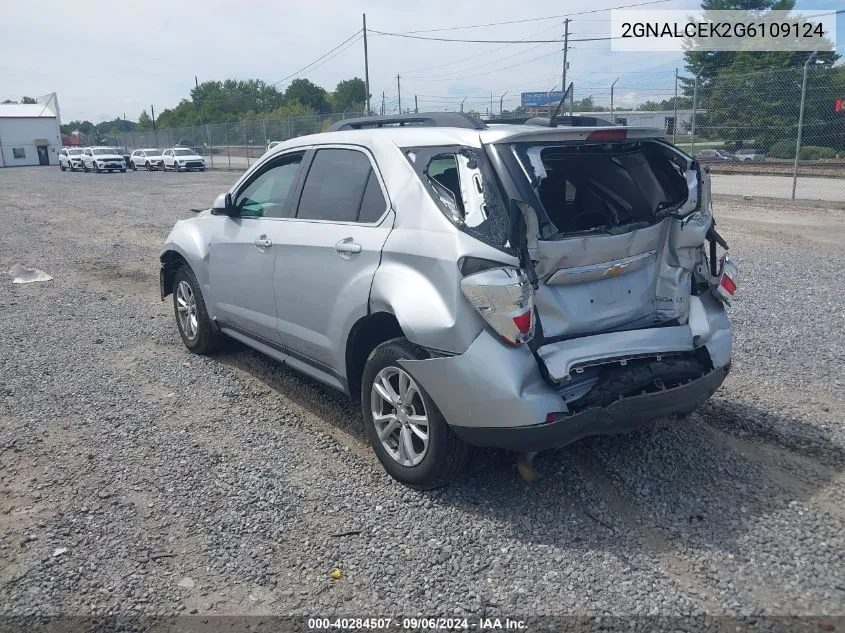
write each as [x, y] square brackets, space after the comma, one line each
[504, 298]
[727, 280]
[607, 136]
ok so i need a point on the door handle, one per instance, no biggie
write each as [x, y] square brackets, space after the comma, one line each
[262, 242]
[347, 245]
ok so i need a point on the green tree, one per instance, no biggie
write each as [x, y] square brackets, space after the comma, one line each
[28, 100]
[753, 97]
[308, 94]
[145, 122]
[350, 94]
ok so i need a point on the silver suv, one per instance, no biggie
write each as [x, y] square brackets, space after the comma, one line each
[516, 285]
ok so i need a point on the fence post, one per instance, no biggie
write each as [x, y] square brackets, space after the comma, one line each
[316, 129]
[290, 128]
[210, 143]
[800, 124]
[675, 110]
[247, 147]
[694, 112]
[228, 149]
[264, 123]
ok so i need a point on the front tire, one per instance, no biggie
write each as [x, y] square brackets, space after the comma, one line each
[62, 166]
[197, 332]
[406, 429]
[123, 171]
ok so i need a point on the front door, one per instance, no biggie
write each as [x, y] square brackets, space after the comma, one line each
[329, 253]
[43, 155]
[242, 251]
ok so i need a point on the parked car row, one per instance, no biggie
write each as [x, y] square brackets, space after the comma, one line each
[724, 156]
[112, 159]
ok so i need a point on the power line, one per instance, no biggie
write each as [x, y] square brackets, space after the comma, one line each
[550, 17]
[459, 62]
[304, 68]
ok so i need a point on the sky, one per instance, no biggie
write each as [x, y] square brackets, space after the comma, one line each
[108, 59]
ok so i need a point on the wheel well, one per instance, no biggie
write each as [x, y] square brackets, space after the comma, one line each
[366, 335]
[171, 261]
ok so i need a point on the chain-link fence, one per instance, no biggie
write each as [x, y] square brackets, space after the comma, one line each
[775, 133]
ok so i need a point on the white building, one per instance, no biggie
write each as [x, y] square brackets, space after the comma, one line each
[29, 133]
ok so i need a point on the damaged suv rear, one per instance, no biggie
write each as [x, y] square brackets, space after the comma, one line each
[526, 286]
[615, 314]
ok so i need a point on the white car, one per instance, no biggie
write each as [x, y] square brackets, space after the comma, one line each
[102, 159]
[149, 158]
[180, 158]
[750, 154]
[70, 158]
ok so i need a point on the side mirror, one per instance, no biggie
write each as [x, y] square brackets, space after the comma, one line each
[223, 205]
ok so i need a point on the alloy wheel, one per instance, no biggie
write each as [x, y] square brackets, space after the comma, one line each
[399, 416]
[186, 305]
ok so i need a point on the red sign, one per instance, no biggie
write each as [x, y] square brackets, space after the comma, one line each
[840, 105]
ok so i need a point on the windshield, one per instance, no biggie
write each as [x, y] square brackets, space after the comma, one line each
[183, 152]
[105, 152]
[152, 152]
[74, 152]
[597, 188]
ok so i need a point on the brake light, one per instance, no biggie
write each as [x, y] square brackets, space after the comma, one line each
[727, 279]
[607, 136]
[504, 298]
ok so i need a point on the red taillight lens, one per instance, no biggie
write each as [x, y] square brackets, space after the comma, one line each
[523, 321]
[727, 280]
[504, 298]
[607, 136]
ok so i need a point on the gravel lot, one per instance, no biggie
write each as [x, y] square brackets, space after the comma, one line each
[136, 477]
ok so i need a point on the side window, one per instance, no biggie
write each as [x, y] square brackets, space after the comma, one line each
[335, 186]
[373, 204]
[267, 194]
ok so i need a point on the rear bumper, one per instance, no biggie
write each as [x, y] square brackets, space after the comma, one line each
[620, 417]
[494, 394]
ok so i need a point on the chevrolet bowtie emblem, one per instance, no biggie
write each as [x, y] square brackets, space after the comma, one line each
[616, 269]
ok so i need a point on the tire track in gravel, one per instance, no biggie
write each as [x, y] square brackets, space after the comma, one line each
[647, 534]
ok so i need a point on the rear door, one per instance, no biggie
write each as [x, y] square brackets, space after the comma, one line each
[329, 252]
[242, 249]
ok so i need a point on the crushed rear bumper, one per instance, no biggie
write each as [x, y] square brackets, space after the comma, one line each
[495, 395]
[619, 417]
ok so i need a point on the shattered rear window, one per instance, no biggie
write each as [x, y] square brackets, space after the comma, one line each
[461, 182]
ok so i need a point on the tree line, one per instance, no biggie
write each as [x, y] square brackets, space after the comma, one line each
[238, 100]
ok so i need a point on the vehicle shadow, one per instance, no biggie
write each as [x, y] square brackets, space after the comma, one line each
[706, 479]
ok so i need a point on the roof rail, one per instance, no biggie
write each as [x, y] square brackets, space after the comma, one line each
[423, 119]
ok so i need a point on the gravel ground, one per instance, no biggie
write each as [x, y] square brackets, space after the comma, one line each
[138, 478]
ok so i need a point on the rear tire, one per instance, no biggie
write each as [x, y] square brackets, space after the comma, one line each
[197, 331]
[445, 455]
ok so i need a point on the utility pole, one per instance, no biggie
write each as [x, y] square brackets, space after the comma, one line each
[611, 100]
[565, 50]
[399, 91]
[491, 103]
[366, 66]
[416, 106]
[153, 116]
[501, 101]
[462, 103]
[800, 124]
[382, 102]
